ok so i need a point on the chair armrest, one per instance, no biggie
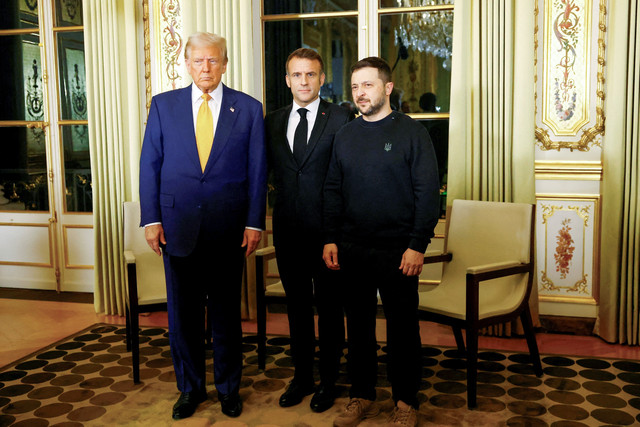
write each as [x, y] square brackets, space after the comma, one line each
[266, 253]
[436, 256]
[129, 257]
[499, 269]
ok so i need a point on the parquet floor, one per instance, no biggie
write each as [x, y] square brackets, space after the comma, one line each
[27, 325]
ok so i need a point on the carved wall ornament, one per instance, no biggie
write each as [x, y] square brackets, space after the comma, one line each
[569, 95]
[569, 235]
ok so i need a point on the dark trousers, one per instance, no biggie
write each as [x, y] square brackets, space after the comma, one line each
[365, 271]
[213, 278]
[308, 282]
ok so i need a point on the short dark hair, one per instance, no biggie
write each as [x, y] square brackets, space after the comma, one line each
[384, 71]
[305, 53]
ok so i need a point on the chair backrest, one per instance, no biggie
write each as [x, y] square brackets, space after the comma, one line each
[481, 233]
[149, 266]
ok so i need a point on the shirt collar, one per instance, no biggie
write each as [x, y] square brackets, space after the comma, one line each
[196, 94]
[313, 107]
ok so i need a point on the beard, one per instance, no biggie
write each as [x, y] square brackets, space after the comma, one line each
[373, 108]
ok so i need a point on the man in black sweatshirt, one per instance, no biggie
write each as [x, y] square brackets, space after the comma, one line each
[381, 207]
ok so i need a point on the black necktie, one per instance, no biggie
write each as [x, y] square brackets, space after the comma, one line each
[300, 136]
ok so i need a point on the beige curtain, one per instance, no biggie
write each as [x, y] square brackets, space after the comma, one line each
[619, 314]
[232, 20]
[491, 129]
[115, 135]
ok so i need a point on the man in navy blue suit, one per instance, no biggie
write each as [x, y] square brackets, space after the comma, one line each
[202, 197]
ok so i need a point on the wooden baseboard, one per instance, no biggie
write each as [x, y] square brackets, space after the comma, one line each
[567, 325]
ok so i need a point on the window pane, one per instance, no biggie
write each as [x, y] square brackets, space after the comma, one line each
[23, 169]
[413, 3]
[16, 14]
[73, 98]
[418, 48]
[21, 79]
[68, 12]
[77, 167]
[308, 6]
[336, 39]
[439, 133]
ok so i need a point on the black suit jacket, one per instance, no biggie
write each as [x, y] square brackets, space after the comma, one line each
[297, 189]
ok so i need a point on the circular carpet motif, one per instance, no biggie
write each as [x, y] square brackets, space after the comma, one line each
[87, 380]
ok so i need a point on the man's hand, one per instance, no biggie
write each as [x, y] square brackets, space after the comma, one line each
[412, 262]
[154, 234]
[251, 240]
[330, 256]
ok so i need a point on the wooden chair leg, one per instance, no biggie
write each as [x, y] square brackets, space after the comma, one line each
[135, 344]
[527, 325]
[457, 333]
[472, 367]
[127, 316]
[261, 313]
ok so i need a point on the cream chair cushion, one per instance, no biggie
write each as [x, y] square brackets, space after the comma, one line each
[482, 234]
[149, 266]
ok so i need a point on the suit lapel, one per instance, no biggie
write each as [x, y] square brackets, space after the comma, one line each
[318, 127]
[229, 111]
[184, 116]
[281, 136]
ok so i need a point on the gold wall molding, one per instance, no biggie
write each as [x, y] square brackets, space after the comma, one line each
[570, 108]
[50, 239]
[147, 52]
[567, 170]
[65, 237]
[568, 236]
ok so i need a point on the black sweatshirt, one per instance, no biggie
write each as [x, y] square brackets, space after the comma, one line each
[382, 185]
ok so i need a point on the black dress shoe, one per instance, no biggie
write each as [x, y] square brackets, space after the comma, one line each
[231, 404]
[187, 404]
[323, 398]
[295, 393]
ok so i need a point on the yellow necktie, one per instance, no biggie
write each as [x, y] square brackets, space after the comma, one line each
[204, 131]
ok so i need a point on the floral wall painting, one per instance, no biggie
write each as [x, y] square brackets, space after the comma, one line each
[570, 61]
[566, 248]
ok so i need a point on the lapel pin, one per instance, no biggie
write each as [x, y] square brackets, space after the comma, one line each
[232, 109]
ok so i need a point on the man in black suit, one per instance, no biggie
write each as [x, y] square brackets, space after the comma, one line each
[299, 145]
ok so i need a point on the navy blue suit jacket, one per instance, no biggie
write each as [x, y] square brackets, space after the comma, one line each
[228, 196]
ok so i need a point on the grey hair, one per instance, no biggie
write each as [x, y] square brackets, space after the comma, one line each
[204, 39]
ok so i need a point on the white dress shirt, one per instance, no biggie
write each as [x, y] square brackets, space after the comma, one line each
[214, 104]
[294, 119]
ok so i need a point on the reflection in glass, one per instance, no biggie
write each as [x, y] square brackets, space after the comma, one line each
[439, 133]
[68, 12]
[23, 166]
[416, 72]
[16, 14]
[413, 3]
[308, 6]
[21, 79]
[336, 39]
[73, 97]
[77, 168]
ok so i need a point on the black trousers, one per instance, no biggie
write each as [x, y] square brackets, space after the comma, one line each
[308, 282]
[367, 270]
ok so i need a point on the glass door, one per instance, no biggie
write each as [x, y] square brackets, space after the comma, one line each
[46, 238]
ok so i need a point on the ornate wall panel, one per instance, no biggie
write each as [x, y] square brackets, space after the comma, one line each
[164, 46]
[567, 234]
[570, 59]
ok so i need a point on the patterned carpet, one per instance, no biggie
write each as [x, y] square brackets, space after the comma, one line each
[86, 380]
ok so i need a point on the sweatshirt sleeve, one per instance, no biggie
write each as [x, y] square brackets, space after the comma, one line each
[424, 174]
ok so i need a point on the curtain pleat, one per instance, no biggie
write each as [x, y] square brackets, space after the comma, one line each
[114, 137]
[491, 131]
[619, 314]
